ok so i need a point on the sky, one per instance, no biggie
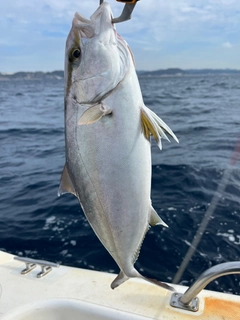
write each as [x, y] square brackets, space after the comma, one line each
[187, 34]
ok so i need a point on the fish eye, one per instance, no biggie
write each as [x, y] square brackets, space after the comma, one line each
[76, 53]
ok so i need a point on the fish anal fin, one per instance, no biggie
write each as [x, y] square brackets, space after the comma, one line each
[155, 219]
[94, 114]
[153, 125]
[121, 278]
[66, 185]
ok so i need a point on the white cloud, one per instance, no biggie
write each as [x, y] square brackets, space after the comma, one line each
[156, 25]
[227, 45]
[195, 20]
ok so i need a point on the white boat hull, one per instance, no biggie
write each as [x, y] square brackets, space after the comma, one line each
[73, 293]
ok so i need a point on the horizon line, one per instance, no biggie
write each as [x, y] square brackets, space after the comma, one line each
[142, 70]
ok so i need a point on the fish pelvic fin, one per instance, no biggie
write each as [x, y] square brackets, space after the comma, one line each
[153, 125]
[66, 185]
[121, 278]
[93, 114]
[155, 220]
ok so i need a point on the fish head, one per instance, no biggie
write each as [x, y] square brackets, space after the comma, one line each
[96, 58]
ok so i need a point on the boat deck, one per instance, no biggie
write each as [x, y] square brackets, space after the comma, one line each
[67, 291]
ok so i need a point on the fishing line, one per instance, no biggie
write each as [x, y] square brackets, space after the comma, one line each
[221, 187]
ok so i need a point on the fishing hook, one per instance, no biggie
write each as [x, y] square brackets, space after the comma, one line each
[127, 10]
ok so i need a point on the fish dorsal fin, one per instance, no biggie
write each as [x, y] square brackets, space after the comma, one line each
[155, 219]
[66, 185]
[153, 125]
[94, 114]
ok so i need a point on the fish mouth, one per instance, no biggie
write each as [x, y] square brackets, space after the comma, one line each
[104, 34]
[104, 10]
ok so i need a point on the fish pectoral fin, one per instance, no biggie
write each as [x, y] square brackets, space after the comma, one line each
[94, 114]
[66, 185]
[119, 280]
[153, 125]
[155, 219]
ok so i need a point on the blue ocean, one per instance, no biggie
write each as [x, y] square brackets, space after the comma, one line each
[204, 113]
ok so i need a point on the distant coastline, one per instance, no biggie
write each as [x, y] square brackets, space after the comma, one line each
[186, 72]
[59, 74]
[38, 75]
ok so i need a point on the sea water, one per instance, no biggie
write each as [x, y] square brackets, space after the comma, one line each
[204, 113]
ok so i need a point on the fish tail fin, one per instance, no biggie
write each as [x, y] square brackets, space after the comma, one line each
[124, 276]
[159, 283]
[121, 278]
[153, 281]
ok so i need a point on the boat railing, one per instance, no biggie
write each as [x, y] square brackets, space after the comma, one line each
[189, 300]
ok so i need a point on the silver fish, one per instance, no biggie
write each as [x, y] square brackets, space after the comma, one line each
[107, 134]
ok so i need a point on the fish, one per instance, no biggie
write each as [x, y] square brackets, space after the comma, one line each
[108, 132]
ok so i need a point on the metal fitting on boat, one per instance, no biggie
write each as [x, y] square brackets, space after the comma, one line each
[31, 264]
[188, 300]
[176, 302]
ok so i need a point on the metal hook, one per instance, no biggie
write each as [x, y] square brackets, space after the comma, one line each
[127, 10]
[126, 13]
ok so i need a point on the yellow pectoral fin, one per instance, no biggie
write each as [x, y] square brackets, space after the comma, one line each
[149, 126]
[93, 114]
[153, 125]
